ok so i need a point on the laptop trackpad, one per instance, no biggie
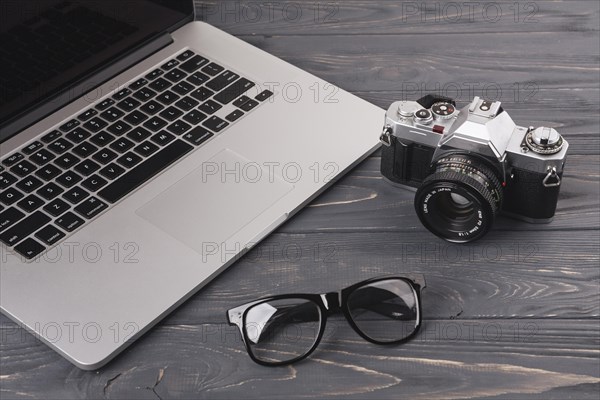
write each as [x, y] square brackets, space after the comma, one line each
[215, 201]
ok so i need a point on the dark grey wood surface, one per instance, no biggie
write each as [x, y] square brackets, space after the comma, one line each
[513, 316]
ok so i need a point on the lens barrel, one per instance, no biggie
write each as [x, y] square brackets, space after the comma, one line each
[460, 199]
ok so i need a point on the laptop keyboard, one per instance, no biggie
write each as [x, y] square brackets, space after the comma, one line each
[68, 176]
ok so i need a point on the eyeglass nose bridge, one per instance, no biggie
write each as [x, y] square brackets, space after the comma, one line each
[332, 301]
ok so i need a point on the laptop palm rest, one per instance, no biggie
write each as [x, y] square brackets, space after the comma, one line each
[225, 193]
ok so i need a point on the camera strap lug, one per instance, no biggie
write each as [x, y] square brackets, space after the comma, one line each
[385, 137]
[552, 179]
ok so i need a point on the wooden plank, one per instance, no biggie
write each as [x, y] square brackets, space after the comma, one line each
[448, 359]
[378, 63]
[308, 18]
[505, 275]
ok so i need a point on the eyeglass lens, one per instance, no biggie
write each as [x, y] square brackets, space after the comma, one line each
[385, 311]
[282, 330]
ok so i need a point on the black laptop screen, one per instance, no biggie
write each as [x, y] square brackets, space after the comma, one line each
[47, 46]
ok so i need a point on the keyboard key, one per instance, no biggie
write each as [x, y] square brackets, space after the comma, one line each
[9, 217]
[49, 235]
[47, 138]
[60, 145]
[154, 74]
[66, 161]
[185, 55]
[78, 135]
[222, 81]
[162, 138]
[56, 207]
[69, 222]
[151, 107]
[67, 126]
[128, 104]
[129, 160]
[241, 100]
[213, 69]
[23, 168]
[85, 149]
[198, 78]
[210, 107]
[138, 84]
[171, 113]
[202, 94]
[194, 117]
[104, 104]
[121, 94]
[42, 157]
[119, 127]
[249, 105]
[48, 172]
[95, 124]
[139, 134]
[94, 183]
[6, 179]
[50, 191]
[264, 95]
[111, 171]
[167, 97]
[30, 203]
[68, 179]
[32, 147]
[155, 124]
[75, 195]
[160, 84]
[10, 196]
[112, 114]
[193, 63]
[87, 167]
[187, 103]
[102, 139]
[146, 149]
[170, 64]
[234, 91]
[144, 171]
[29, 248]
[234, 116]
[215, 124]
[29, 184]
[179, 127]
[144, 94]
[182, 88]
[136, 117]
[105, 156]
[122, 145]
[13, 159]
[198, 135]
[91, 207]
[175, 75]
[24, 228]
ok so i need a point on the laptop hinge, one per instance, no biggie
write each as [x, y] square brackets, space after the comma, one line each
[73, 93]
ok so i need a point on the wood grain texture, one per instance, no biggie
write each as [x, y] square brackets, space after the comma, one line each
[514, 316]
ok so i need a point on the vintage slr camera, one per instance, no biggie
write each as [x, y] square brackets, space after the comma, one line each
[471, 164]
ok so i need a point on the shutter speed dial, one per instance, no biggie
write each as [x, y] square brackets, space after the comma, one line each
[443, 110]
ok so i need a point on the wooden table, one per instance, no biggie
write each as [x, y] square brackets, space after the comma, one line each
[514, 316]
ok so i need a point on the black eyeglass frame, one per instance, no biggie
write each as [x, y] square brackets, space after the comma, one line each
[328, 303]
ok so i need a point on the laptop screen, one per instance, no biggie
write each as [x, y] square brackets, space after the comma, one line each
[48, 46]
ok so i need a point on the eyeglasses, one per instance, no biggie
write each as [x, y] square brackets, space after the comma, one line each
[281, 330]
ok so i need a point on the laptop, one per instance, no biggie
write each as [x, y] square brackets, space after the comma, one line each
[141, 154]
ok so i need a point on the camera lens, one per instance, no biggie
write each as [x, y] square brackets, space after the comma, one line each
[460, 199]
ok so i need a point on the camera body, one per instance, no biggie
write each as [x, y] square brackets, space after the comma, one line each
[469, 165]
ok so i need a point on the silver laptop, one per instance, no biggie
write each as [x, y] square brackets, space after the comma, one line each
[141, 154]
